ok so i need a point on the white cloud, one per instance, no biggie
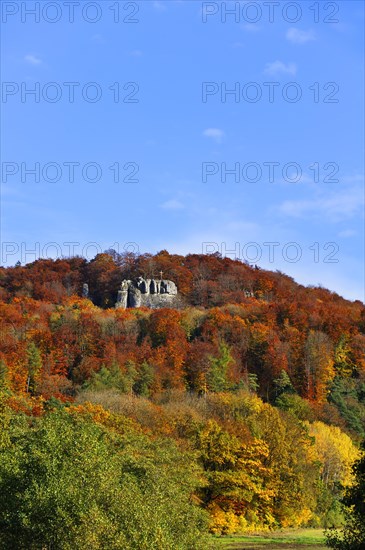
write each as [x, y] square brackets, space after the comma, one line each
[354, 178]
[251, 27]
[159, 6]
[214, 133]
[10, 191]
[277, 67]
[346, 233]
[299, 37]
[344, 204]
[32, 59]
[172, 204]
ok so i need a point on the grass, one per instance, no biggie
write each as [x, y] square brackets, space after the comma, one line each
[305, 539]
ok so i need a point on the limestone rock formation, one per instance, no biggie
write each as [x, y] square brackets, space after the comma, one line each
[122, 298]
[152, 293]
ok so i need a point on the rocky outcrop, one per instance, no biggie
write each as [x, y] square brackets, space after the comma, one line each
[152, 293]
[122, 297]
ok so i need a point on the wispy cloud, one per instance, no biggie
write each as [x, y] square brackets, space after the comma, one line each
[342, 205]
[347, 233]
[32, 59]
[172, 204]
[278, 67]
[10, 191]
[251, 27]
[299, 37]
[214, 133]
[159, 6]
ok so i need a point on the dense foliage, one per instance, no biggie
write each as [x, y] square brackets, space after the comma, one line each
[252, 391]
[68, 482]
[352, 536]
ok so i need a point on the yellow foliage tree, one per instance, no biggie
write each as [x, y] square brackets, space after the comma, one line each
[335, 452]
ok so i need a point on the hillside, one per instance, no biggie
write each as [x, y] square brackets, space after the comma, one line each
[257, 382]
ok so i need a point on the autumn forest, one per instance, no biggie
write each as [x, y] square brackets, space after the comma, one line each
[241, 408]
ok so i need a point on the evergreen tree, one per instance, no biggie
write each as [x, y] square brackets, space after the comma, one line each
[217, 375]
[4, 382]
[34, 365]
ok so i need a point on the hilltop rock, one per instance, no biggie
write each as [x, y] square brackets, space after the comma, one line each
[152, 293]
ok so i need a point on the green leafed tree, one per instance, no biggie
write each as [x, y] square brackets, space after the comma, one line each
[34, 365]
[282, 384]
[217, 376]
[113, 378]
[352, 536]
[4, 381]
[144, 379]
[67, 482]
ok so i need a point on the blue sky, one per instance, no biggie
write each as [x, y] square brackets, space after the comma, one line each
[299, 164]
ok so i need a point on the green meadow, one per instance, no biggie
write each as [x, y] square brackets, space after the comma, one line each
[312, 539]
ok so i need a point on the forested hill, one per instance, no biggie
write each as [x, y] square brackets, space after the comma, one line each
[236, 326]
[251, 390]
[203, 280]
